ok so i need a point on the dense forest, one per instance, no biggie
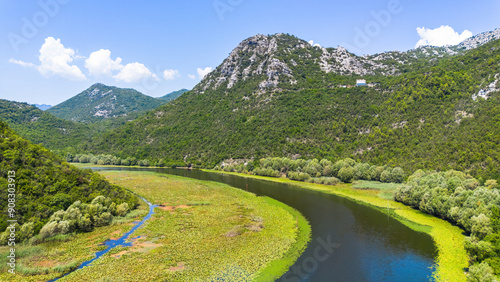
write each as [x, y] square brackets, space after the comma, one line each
[41, 127]
[423, 118]
[44, 184]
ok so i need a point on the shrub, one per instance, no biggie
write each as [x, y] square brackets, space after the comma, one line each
[122, 209]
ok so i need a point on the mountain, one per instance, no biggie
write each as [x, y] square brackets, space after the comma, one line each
[45, 184]
[41, 127]
[101, 102]
[43, 107]
[173, 95]
[279, 96]
[438, 52]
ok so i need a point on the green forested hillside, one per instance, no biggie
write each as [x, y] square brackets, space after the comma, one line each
[45, 184]
[424, 117]
[100, 102]
[41, 127]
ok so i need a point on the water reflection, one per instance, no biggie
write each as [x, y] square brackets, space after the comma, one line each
[365, 244]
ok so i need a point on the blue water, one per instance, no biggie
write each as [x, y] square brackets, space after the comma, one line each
[115, 243]
[350, 242]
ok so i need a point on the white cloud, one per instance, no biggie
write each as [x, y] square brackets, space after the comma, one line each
[314, 45]
[170, 74]
[21, 63]
[191, 76]
[203, 72]
[441, 36]
[100, 63]
[55, 60]
[134, 72]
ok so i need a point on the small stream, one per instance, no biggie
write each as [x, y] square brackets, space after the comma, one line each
[115, 243]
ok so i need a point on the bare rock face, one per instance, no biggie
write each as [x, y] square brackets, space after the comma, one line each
[340, 61]
[479, 40]
[490, 88]
[468, 44]
[272, 59]
[253, 56]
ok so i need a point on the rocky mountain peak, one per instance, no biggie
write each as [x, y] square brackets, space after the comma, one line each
[275, 59]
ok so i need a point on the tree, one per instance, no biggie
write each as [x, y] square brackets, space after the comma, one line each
[385, 176]
[480, 273]
[480, 226]
[491, 184]
[398, 175]
[346, 174]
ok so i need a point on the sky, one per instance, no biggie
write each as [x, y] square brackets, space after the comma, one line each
[51, 50]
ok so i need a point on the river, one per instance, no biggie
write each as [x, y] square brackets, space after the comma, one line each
[350, 241]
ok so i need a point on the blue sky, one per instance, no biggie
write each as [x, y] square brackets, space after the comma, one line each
[50, 50]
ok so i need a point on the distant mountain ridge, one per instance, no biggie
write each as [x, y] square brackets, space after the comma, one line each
[173, 95]
[100, 102]
[43, 107]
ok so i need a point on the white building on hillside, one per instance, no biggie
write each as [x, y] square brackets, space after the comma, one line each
[360, 82]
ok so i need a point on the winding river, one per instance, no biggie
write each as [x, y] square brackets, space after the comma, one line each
[350, 242]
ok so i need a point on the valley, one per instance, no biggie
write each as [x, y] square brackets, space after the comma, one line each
[387, 164]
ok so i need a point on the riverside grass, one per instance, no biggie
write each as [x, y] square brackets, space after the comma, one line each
[61, 254]
[212, 235]
[146, 259]
[452, 257]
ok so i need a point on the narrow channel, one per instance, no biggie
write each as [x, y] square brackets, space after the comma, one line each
[115, 243]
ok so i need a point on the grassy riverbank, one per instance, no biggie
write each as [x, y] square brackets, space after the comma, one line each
[451, 258]
[203, 231]
[62, 253]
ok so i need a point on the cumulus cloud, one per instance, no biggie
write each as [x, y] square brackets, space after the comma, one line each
[191, 76]
[55, 60]
[170, 74]
[313, 44]
[100, 63]
[441, 36]
[134, 72]
[203, 72]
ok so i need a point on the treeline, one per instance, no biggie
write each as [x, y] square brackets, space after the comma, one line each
[45, 184]
[460, 199]
[79, 217]
[103, 159]
[314, 170]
